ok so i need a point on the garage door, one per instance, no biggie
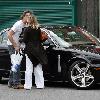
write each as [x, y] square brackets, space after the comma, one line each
[48, 12]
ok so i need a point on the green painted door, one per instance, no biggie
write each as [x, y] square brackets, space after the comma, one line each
[48, 12]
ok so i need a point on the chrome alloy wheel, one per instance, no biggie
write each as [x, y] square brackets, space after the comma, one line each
[81, 75]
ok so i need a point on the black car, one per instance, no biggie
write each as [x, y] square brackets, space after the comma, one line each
[78, 67]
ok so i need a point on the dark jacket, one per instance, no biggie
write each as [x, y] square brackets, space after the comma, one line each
[34, 48]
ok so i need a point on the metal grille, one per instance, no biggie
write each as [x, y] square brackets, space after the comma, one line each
[48, 12]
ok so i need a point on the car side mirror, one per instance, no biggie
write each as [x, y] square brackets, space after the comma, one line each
[46, 43]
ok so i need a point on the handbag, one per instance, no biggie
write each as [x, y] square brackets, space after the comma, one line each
[43, 36]
[16, 59]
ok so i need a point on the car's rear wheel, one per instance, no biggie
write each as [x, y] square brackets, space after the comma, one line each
[81, 75]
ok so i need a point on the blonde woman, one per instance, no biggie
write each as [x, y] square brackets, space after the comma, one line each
[36, 54]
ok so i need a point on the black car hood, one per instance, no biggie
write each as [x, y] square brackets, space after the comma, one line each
[79, 52]
[82, 52]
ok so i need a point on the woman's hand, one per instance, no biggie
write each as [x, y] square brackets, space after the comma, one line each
[17, 49]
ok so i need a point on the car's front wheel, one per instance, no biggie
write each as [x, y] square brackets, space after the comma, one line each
[81, 75]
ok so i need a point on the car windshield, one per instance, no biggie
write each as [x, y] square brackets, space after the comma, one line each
[3, 38]
[92, 37]
[75, 37]
[58, 40]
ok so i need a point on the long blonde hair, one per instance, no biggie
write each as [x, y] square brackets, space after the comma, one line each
[34, 23]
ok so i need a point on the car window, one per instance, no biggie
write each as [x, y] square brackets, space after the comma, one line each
[92, 37]
[76, 36]
[58, 32]
[72, 36]
[58, 40]
[3, 38]
[49, 42]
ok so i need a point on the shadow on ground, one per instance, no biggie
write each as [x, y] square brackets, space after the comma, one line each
[56, 84]
[47, 84]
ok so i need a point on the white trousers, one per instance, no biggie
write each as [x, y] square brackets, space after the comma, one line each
[38, 73]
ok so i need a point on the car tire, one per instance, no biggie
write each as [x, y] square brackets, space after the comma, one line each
[81, 75]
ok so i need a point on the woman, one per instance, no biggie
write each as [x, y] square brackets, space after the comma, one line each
[35, 52]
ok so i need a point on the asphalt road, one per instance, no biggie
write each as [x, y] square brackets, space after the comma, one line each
[52, 91]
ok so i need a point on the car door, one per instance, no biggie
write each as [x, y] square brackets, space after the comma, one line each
[52, 56]
[4, 54]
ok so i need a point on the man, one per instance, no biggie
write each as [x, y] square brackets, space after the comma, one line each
[14, 45]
